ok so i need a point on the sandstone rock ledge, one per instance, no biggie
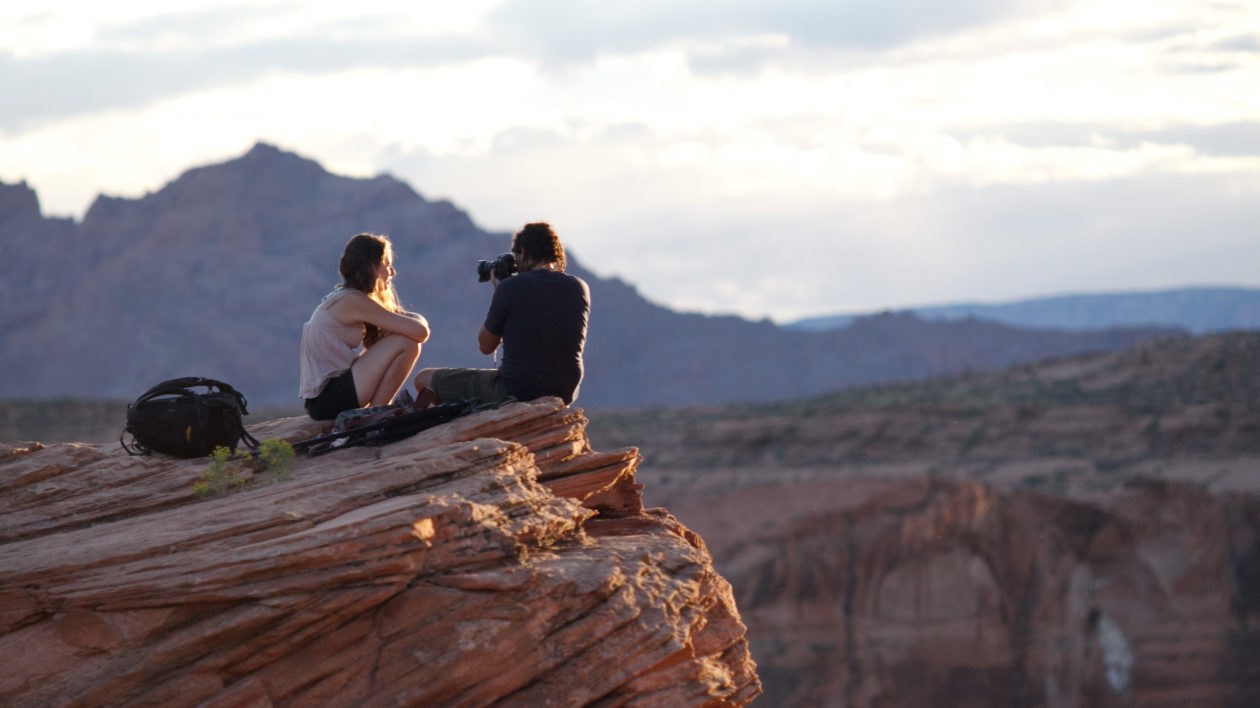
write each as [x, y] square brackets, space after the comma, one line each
[495, 560]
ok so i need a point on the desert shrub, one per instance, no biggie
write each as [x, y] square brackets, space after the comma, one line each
[233, 470]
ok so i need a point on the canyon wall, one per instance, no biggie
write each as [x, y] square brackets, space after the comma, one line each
[914, 591]
[1077, 532]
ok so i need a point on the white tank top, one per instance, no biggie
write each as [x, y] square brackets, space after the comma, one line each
[328, 347]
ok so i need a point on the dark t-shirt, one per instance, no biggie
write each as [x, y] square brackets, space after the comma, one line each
[541, 316]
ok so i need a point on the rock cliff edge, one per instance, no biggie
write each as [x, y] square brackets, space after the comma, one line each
[493, 560]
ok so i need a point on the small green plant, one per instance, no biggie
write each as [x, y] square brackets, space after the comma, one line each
[278, 460]
[232, 470]
[223, 475]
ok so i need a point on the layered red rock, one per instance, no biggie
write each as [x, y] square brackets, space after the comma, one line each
[920, 591]
[493, 560]
[1076, 532]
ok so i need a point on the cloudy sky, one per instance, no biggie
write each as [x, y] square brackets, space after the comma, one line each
[774, 158]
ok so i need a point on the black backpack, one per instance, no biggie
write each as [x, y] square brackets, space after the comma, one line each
[173, 419]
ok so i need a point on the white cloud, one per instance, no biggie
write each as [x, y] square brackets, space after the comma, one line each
[38, 28]
[682, 135]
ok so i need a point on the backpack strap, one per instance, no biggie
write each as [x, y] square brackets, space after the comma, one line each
[136, 448]
[249, 440]
[180, 386]
[170, 387]
[239, 402]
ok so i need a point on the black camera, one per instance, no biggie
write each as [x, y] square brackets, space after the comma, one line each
[503, 267]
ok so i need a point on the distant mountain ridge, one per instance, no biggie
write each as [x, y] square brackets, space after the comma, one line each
[1198, 310]
[214, 274]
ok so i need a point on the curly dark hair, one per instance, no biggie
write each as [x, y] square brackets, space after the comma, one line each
[363, 253]
[536, 242]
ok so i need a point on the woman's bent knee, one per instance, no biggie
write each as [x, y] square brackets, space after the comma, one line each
[402, 345]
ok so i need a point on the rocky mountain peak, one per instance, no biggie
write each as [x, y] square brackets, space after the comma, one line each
[18, 203]
[264, 178]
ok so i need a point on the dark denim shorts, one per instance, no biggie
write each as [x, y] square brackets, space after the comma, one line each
[338, 395]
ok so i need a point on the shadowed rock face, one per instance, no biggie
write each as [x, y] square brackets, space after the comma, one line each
[1078, 532]
[493, 560]
[915, 592]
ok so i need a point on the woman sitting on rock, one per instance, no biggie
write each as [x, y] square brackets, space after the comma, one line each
[359, 346]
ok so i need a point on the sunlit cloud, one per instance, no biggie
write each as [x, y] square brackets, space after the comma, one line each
[691, 130]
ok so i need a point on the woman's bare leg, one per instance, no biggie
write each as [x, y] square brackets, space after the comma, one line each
[396, 375]
[381, 370]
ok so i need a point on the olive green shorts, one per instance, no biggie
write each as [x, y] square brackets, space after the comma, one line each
[481, 385]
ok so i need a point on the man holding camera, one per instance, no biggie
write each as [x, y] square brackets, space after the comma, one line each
[539, 313]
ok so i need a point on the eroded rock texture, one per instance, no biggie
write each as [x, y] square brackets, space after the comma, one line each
[922, 592]
[493, 560]
[1077, 532]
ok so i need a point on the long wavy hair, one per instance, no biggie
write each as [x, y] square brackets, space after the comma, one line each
[359, 260]
[538, 243]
